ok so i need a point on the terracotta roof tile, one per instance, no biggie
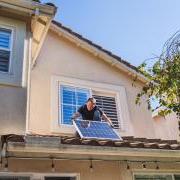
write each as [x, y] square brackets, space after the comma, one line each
[129, 142]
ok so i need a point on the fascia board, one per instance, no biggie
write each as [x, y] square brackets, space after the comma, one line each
[28, 6]
[87, 151]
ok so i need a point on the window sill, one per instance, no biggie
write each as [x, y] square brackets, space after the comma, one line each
[63, 129]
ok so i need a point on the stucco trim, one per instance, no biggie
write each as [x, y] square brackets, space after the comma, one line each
[118, 91]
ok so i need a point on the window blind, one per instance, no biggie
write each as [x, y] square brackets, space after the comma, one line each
[108, 105]
[5, 43]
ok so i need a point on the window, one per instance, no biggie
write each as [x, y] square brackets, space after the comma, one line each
[5, 49]
[71, 99]
[108, 105]
[68, 94]
[177, 177]
[153, 177]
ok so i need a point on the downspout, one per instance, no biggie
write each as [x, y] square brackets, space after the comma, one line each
[28, 83]
[31, 65]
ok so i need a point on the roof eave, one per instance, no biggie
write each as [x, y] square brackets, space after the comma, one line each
[79, 152]
[29, 7]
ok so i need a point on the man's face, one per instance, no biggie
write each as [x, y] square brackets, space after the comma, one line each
[90, 105]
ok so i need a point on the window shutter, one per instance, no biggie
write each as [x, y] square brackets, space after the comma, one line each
[108, 105]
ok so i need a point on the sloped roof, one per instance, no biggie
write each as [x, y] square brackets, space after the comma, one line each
[129, 142]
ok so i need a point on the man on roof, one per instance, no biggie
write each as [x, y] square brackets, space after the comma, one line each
[90, 111]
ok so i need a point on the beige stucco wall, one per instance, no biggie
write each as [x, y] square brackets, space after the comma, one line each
[12, 110]
[12, 94]
[61, 58]
[167, 127]
[102, 170]
[14, 76]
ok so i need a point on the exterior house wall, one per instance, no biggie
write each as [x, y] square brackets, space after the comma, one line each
[12, 94]
[166, 127]
[102, 170]
[12, 110]
[59, 57]
[14, 77]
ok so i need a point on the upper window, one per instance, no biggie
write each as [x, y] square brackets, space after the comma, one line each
[5, 49]
[72, 98]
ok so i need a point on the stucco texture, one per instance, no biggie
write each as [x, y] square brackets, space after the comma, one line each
[102, 170]
[60, 57]
[12, 110]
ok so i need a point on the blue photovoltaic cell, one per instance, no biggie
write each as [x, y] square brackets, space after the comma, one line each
[95, 130]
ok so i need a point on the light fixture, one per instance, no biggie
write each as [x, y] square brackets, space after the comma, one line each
[52, 165]
[6, 165]
[143, 165]
[91, 166]
[127, 165]
[157, 166]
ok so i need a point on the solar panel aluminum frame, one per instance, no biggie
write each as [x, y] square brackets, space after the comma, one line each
[95, 138]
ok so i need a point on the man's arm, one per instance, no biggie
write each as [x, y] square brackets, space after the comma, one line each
[107, 119]
[75, 115]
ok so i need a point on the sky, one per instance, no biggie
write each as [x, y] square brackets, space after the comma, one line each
[135, 30]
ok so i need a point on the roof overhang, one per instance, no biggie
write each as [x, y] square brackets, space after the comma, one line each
[33, 147]
[76, 152]
[29, 7]
[97, 52]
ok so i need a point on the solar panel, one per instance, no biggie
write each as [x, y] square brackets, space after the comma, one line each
[95, 130]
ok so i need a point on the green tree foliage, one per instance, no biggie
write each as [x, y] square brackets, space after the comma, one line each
[164, 78]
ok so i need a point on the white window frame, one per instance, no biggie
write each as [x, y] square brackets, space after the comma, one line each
[10, 48]
[118, 91]
[40, 176]
[9, 174]
[159, 173]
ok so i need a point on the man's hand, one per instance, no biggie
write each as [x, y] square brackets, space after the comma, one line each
[107, 120]
[111, 124]
[73, 119]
